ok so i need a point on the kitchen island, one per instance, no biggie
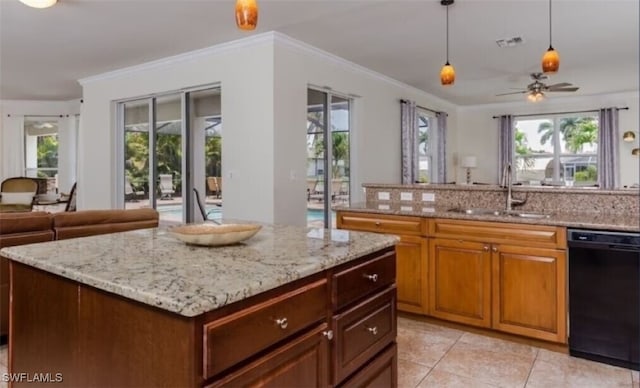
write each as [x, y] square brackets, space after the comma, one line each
[290, 306]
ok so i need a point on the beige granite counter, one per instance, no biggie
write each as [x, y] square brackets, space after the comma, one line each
[152, 267]
[586, 220]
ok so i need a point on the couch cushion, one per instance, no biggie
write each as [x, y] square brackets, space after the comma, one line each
[24, 222]
[25, 198]
[92, 222]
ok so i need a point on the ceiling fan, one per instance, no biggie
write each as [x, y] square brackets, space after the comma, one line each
[535, 90]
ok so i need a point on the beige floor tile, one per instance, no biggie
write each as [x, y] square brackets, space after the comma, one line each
[497, 368]
[441, 331]
[3, 354]
[410, 374]
[422, 347]
[570, 373]
[441, 379]
[635, 375]
[499, 345]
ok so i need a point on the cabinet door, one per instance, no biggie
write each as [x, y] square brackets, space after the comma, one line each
[302, 362]
[460, 281]
[411, 272]
[529, 292]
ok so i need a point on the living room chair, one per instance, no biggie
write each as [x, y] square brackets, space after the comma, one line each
[18, 194]
[71, 202]
[166, 186]
[203, 210]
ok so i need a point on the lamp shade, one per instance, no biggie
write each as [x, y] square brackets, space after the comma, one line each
[550, 61]
[469, 162]
[39, 3]
[247, 14]
[629, 136]
[447, 74]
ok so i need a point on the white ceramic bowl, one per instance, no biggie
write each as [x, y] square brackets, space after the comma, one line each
[214, 235]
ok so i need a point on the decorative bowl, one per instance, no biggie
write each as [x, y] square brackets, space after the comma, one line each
[211, 235]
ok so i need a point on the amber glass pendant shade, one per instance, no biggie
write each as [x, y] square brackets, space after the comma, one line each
[447, 74]
[247, 14]
[550, 61]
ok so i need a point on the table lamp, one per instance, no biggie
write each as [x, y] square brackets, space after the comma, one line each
[469, 162]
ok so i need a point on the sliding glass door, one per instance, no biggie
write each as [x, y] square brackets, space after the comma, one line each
[328, 155]
[163, 166]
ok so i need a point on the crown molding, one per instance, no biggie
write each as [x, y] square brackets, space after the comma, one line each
[254, 40]
[286, 40]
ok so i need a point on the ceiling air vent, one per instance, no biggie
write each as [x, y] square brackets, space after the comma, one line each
[511, 42]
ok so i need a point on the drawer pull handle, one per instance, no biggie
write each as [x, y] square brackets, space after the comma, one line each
[282, 322]
[378, 223]
[373, 278]
[494, 249]
[486, 248]
[328, 334]
[373, 330]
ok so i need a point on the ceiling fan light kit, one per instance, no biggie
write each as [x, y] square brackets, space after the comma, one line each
[39, 3]
[247, 14]
[447, 73]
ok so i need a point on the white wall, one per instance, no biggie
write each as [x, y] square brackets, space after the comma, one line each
[264, 83]
[477, 132]
[375, 128]
[11, 138]
[244, 70]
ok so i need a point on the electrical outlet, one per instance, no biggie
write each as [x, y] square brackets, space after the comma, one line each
[428, 197]
[384, 196]
[406, 196]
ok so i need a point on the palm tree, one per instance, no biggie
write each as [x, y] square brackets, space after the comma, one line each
[586, 132]
[546, 129]
[522, 148]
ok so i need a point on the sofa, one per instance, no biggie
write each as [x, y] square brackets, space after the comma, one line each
[35, 227]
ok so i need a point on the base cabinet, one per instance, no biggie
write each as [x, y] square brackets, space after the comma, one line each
[380, 373]
[460, 281]
[412, 268]
[529, 295]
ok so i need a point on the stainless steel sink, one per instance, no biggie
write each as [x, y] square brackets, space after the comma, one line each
[477, 211]
[527, 215]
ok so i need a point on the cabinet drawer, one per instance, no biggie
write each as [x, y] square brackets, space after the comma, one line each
[359, 281]
[380, 373]
[362, 331]
[381, 223]
[238, 336]
[541, 236]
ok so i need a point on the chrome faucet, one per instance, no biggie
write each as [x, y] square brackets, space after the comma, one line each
[507, 179]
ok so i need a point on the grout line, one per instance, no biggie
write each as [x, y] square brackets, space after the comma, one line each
[437, 362]
[531, 369]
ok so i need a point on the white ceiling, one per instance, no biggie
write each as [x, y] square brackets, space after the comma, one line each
[44, 52]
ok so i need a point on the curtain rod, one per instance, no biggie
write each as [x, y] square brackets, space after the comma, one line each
[67, 115]
[422, 107]
[560, 113]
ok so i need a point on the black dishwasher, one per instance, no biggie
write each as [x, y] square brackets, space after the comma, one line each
[604, 296]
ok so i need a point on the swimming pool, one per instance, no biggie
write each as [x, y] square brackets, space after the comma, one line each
[174, 213]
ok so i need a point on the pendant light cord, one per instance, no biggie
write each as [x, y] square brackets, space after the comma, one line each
[448, 34]
[550, 46]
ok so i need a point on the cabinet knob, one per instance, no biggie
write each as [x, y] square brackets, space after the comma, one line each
[373, 330]
[494, 249]
[378, 223]
[486, 248]
[373, 278]
[282, 322]
[328, 334]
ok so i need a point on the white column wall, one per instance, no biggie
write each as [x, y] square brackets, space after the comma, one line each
[478, 132]
[245, 74]
[67, 146]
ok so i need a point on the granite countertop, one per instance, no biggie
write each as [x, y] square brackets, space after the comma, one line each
[152, 267]
[588, 220]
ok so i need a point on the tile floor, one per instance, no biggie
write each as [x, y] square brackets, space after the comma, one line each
[436, 356]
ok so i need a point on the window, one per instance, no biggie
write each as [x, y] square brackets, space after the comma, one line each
[557, 150]
[41, 147]
[426, 146]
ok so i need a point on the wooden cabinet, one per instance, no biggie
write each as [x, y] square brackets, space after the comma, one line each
[334, 326]
[411, 253]
[529, 292]
[516, 287]
[382, 372]
[460, 282]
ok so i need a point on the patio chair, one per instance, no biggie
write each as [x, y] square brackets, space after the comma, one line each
[203, 211]
[219, 186]
[166, 186]
[71, 202]
[317, 192]
[131, 193]
[212, 186]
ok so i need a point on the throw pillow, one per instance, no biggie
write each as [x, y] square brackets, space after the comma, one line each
[25, 198]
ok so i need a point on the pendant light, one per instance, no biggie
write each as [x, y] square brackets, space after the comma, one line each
[246, 14]
[550, 59]
[447, 73]
[39, 3]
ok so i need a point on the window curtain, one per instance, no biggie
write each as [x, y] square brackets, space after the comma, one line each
[608, 151]
[506, 138]
[441, 149]
[409, 140]
[12, 146]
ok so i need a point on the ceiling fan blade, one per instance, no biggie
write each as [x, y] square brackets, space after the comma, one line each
[506, 94]
[573, 89]
[559, 85]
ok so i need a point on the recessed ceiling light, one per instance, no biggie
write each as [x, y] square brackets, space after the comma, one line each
[39, 3]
